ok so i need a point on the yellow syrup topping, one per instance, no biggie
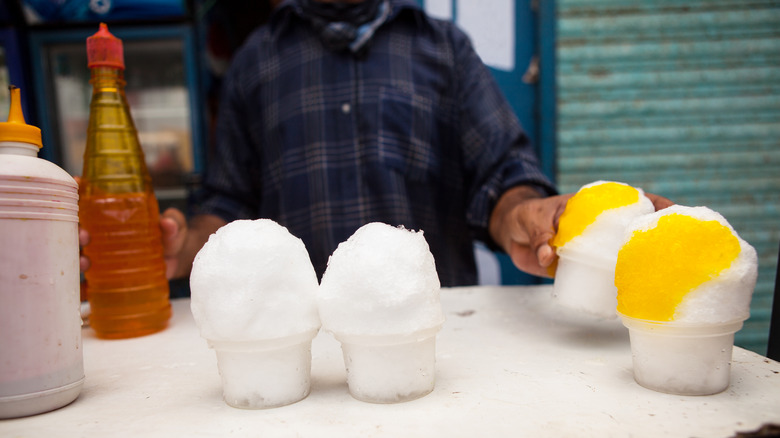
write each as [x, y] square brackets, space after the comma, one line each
[658, 267]
[587, 204]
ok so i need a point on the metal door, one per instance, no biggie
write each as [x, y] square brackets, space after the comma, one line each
[681, 99]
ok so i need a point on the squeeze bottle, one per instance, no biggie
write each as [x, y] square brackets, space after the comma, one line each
[41, 360]
[126, 285]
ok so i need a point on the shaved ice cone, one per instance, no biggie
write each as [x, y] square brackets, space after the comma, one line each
[379, 297]
[684, 279]
[253, 299]
[590, 233]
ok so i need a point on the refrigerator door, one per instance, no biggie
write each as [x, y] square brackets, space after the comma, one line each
[161, 93]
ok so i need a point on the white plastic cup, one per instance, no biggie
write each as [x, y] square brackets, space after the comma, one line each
[586, 283]
[682, 359]
[390, 368]
[265, 373]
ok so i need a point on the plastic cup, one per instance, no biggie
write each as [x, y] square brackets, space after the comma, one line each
[390, 368]
[682, 359]
[265, 373]
[586, 283]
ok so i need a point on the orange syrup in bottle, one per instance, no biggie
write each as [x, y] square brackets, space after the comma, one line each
[126, 284]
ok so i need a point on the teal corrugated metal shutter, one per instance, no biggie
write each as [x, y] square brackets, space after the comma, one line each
[681, 99]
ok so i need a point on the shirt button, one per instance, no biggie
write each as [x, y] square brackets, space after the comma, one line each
[346, 108]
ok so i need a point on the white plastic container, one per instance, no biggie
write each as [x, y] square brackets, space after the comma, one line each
[682, 359]
[265, 373]
[390, 368]
[40, 323]
[586, 283]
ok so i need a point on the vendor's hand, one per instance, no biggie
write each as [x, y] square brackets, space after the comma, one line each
[83, 241]
[173, 225]
[523, 223]
[183, 239]
[659, 202]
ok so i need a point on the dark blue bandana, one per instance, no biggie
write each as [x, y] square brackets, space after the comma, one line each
[346, 26]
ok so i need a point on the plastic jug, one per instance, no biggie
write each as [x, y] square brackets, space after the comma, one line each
[40, 321]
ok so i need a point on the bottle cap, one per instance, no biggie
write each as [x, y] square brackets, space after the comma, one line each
[15, 129]
[105, 50]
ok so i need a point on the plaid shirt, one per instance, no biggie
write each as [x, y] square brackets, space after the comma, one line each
[412, 132]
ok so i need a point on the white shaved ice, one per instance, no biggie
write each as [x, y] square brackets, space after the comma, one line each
[382, 280]
[253, 280]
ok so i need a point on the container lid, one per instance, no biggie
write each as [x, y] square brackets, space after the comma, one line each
[105, 50]
[683, 328]
[389, 339]
[15, 129]
[262, 344]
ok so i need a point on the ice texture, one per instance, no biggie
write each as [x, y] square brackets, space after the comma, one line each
[725, 297]
[380, 281]
[603, 238]
[253, 280]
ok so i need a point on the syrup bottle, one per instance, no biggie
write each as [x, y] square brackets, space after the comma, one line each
[126, 285]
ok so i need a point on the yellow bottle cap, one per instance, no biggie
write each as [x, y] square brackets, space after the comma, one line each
[15, 129]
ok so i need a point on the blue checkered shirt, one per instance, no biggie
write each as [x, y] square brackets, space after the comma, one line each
[413, 131]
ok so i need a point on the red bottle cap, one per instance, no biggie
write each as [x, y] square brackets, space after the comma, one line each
[105, 50]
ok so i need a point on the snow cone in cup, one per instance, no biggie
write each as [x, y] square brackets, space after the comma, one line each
[684, 279]
[590, 233]
[253, 297]
[379, 297]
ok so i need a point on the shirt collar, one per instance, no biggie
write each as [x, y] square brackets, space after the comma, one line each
[291, 9]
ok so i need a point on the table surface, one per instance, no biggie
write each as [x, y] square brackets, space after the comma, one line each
[510, 362]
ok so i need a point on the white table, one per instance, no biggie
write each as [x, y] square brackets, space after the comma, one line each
[509, 364]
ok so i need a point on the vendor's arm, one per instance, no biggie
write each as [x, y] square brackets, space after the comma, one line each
[183, 240]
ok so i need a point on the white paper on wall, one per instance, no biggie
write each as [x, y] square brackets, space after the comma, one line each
[439, 9]
[491, 26]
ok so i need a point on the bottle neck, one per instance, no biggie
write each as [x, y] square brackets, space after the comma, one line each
[113, 157]
[107, 79]
[18, 148]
